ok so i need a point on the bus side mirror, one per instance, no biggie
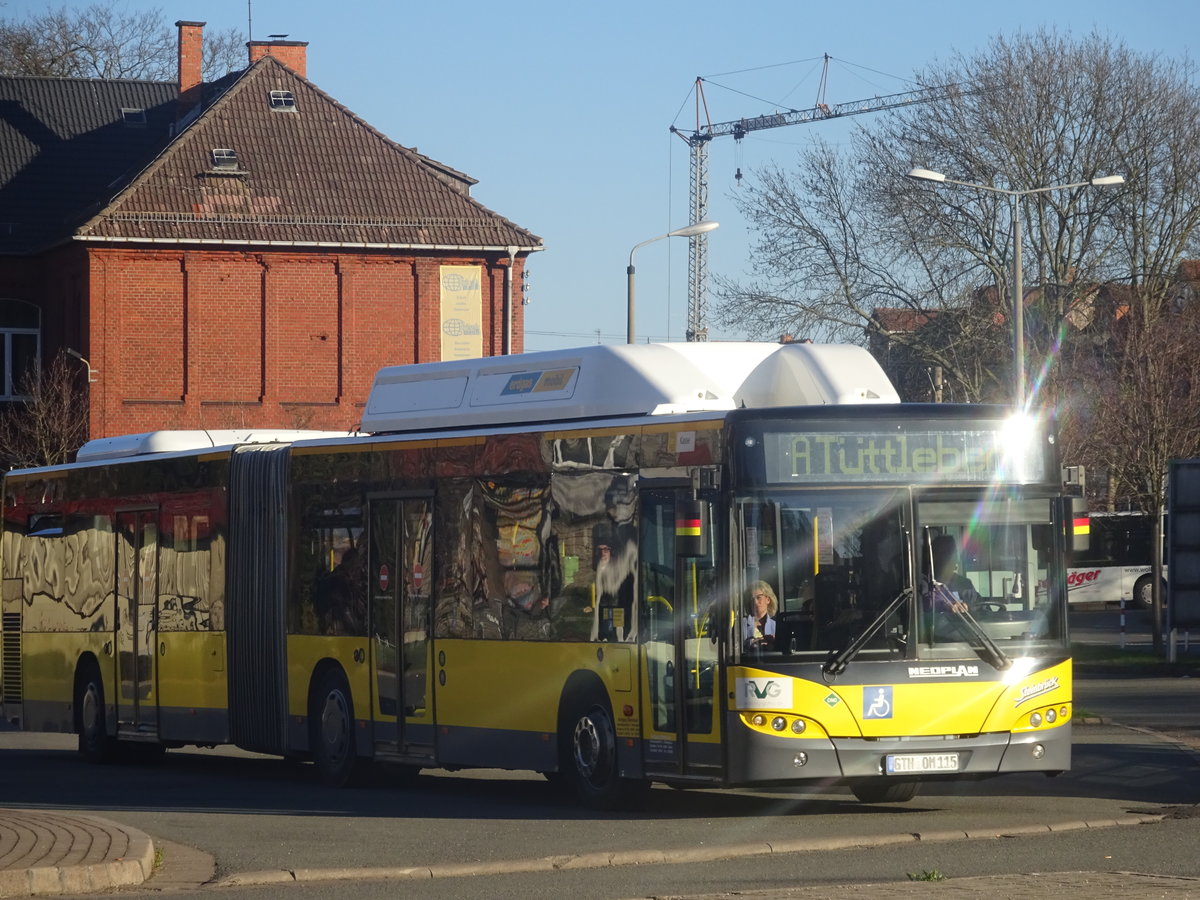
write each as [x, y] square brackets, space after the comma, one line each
[691, 528]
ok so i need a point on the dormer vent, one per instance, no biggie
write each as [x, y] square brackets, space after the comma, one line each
[224, 159]
[283, 101]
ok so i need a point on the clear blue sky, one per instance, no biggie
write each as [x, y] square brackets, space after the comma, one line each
[561, 110]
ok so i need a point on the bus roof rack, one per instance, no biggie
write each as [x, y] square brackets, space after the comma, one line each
[621, 381]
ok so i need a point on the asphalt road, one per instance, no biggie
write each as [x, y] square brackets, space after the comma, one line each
[255, 814]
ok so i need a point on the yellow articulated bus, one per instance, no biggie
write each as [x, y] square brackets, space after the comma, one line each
[710, 565]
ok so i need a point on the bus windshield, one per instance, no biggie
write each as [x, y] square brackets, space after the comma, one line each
[822, 569]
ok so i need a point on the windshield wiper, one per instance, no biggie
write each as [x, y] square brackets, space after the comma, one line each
[838, 660]
[987, 648]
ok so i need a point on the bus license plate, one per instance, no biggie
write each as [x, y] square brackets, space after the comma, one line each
[916, 763]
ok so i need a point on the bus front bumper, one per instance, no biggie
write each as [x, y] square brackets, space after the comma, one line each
[778, 759]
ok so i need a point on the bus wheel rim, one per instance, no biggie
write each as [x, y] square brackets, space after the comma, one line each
[334, 725]
[593, 746]
[90, 712]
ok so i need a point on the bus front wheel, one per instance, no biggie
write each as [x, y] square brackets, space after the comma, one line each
[95, 745]
[592, 760]
[331, 720]
[885, 790]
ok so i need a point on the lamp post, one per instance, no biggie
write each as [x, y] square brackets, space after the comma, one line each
[1018, 291]
[686, 231]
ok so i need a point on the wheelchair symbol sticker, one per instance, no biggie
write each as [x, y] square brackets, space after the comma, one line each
[877, 702]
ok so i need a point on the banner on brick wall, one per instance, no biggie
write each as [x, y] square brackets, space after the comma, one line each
[462, 312]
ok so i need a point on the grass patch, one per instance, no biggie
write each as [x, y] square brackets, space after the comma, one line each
[927, 875]
[1101, 654]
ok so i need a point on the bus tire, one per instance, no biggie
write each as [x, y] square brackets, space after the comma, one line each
[591, 759]
[331, 729]
[885, 790]
[91, 722]
[1144, 593]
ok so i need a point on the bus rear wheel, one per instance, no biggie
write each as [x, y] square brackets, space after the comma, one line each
[331, 723]
[1143, 592]
[592, 760]
[95, 744]
[885, 790]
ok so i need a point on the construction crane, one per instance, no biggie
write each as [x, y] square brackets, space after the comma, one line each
[697, 141]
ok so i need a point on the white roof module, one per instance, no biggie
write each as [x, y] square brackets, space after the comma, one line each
[151, 442]
[620, 381]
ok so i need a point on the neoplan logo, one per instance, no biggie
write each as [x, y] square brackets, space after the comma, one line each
[959, 671]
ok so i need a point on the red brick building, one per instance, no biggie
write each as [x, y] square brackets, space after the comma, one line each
[241, 253]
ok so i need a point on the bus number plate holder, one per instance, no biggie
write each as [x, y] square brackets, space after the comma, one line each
[920, 763]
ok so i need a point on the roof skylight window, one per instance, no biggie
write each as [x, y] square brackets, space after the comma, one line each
[133, 117]
[283, 101]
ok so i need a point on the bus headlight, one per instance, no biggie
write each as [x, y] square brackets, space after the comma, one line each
[1036, 720]
[1051, 716]
[798, 726]
[779, 723]
[759, 719]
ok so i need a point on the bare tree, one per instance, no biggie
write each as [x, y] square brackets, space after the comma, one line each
[104, 40]
[52, 424]
[1147, 408]
[840, 237]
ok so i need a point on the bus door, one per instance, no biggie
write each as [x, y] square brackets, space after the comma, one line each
[137, 621]
[399, 575]
[680, 652]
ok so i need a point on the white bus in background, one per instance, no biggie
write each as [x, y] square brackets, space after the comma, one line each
[1116, 564]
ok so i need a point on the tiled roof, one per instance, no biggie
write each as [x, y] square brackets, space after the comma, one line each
[66, 149]
[318, 175]
[900, 319]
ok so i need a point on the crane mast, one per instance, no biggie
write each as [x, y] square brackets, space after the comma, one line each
[698, 140]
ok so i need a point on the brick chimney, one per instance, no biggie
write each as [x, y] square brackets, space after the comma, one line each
[292, 54]
[191, 64]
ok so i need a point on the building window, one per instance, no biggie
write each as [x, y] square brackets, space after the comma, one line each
[20, 347]
[283, 101]
[133, 118]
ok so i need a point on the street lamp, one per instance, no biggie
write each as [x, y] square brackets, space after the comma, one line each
[686, 231]
[1018, 291]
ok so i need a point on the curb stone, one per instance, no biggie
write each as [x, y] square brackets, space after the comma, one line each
[134, 867]
[660, 857]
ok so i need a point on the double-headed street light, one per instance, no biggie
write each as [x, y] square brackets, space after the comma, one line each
[687, 231]
[1018, 291]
